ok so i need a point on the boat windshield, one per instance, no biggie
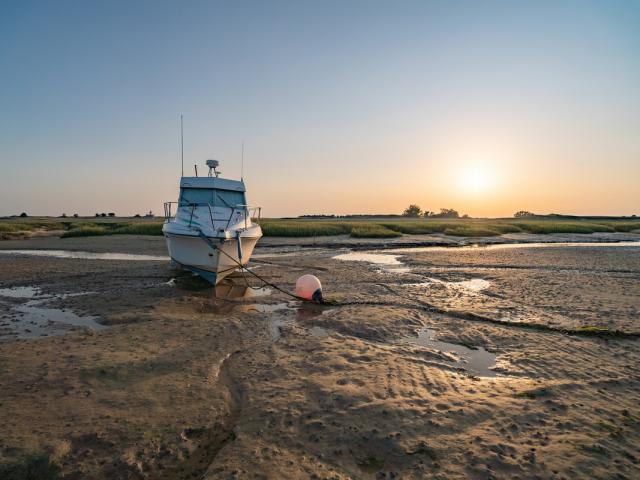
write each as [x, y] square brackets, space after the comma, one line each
[213, 197]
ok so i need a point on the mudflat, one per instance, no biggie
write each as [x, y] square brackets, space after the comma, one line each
[474, 362]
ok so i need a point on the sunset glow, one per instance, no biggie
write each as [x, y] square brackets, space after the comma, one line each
[476, 179]
[486, 108]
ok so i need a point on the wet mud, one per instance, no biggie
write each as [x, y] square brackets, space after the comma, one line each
[424, 364]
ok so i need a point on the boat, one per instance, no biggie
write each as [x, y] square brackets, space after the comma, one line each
[211, 230]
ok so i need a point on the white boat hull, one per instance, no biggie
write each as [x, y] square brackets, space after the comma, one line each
[194, 253]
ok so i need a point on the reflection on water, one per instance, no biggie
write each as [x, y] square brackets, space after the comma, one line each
[86, 255]
[473, 285]
[32, 319]
[232, 290]
[261, 307]
[20, 292]
[510, 246]
[389, 263]
[477, 361]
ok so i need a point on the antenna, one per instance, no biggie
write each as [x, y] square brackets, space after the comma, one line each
[181, 145]
[213, 166]
[242, 164]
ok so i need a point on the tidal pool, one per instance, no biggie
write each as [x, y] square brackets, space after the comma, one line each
[86, 255]
[389, 263]
[515, 245]
[32, 319]
[476, 361]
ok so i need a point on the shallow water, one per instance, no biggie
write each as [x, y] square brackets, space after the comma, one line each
[229, 291]
[262, 307]
[389, 263]
[87, 255]
[20, 292]
[31, 319]
[509, 246]
[477, 362]
[472, 285]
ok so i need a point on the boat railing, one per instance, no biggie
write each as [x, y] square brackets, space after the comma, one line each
[250, 213]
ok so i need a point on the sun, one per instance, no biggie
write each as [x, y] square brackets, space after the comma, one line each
[476, 178]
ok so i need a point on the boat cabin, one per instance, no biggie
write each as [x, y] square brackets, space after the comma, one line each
[213, 191]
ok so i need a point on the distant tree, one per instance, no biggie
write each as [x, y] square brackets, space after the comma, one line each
[23, 214]
[447, 213]
[103, 214]
[427, 213]
[137, 215]
[111, 214]
[75, 215]
[64, 215]
[412, 211]
[523, 213]
[97, 214]
[465, 216]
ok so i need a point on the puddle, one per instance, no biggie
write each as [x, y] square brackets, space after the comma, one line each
[477, 362]
[389, 263]
[32, 319]
[509, 246]
[280, 315]
[262, 307]
[473, 285]
[86, 255]
[20, 292]
[228, 291]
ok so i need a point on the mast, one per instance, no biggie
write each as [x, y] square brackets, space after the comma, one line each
[181, 145]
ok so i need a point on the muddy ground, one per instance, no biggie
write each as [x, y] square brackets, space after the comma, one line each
[446, 363]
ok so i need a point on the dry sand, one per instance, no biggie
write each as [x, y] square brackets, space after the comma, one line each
[185, 385]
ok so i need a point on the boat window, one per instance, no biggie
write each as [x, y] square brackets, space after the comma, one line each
[219, 198]
[230, 198]
[196, 195]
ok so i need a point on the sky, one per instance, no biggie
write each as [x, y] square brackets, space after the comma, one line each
[344, 106]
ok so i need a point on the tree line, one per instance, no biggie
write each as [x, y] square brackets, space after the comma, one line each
[415, 211]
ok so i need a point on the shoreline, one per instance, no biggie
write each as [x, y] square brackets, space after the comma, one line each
[125, 243]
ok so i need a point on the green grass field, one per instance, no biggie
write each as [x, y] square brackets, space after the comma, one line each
[305, 227]
[384, 228]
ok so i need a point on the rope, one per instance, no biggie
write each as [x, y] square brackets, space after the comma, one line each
[245, 269]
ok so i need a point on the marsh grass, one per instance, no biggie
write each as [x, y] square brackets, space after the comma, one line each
[14, 227]
[373, 231]
[140, 229]
[357, 228]
[382, 228]
[87, 231]
[303, 228]
[94, 229]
